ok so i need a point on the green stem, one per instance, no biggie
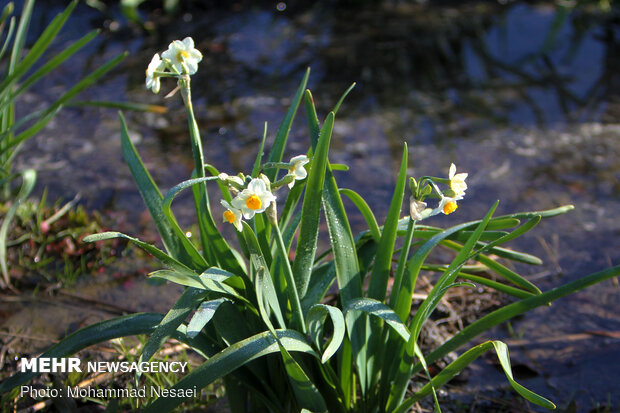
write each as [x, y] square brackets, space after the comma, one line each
[201, 196]
[298, 318]
[402, 263]
[186, 93]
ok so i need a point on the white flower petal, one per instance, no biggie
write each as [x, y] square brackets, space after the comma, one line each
[415, 208]
[452, 170]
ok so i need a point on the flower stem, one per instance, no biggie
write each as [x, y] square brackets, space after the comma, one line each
[186, 93]
[402, 263]
[298, 318]
[201, 196]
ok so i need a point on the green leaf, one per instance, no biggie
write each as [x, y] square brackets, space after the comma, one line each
[515, 309]
[365, 210]
[378, 309]
[504, 359]
[164, 258]
[259, 156]
[136, 107]
[9, 33]
[16, 69]
[268, 289]
[310, 210]
[515, 292]
[230, 359]
[200, 282]
[53, 63]
[306, 394]
[344, 95]
[383, 260]
[315, 320]
[347, 273]
[320, 281]
[499, 269]
[277, 150]
[454, 368]
[312, 119]
[188, 301]
[428, 305]
[202, 316]
[174, 239]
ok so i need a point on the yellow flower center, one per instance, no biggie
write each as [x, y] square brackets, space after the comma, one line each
[450, 207]
[182, 55]
[253, 202]
[230, 216]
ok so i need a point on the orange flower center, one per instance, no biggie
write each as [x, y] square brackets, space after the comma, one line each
[450, 207]
[253, 202]
[230, 216]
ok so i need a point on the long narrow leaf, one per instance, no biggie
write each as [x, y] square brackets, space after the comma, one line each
[306, 394]
[454, 368]
[310, 210]
[316, 321]
[203, 315]
[164, 258]
[174, 242]
[53, 63]
[383, 260]
[365, 210]
[231, 359]
[277, 150]
[515, 309]
[268, 289]
[498, 268]
[187, 303]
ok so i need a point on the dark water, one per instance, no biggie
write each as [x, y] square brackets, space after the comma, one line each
[524, 97]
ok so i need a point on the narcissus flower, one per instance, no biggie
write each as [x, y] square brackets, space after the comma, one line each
[457, 181]
[152, 79]
[253, 199]
[415, 209]
[447, 205]
[297, 168]
[183, 56]
[232, 215]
